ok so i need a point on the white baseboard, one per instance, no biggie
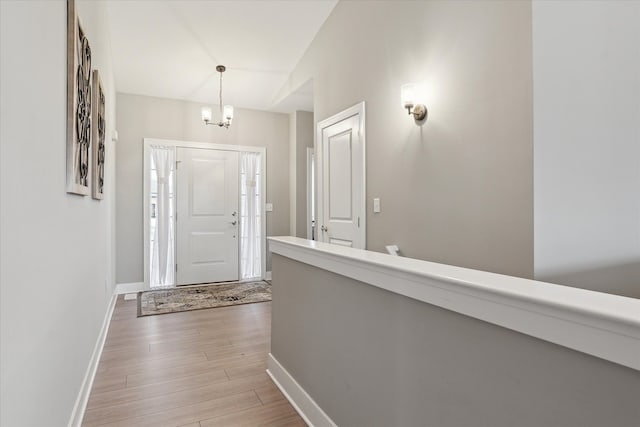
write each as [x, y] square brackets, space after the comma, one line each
[83, 396]
[267, 275]
[128, 288]
[308, 409]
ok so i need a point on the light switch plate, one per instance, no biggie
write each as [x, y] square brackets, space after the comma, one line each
[268, 207]
[376, 205]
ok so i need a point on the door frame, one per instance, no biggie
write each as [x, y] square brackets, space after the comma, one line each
[146, 185]
[358, 109]
[311, 176]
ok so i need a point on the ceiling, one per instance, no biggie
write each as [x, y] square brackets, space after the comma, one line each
[170, 49]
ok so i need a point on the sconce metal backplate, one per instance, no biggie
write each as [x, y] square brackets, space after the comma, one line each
[419, 112]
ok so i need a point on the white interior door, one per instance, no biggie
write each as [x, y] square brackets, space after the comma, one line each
[341, 179]
[207, 216]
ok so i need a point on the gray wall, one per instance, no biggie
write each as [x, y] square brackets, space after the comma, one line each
[57, 249]
[304, 140]
[587, 144]
[459, 189]
[370, 357]
[300, 138]
[292, 174]
[142, 117]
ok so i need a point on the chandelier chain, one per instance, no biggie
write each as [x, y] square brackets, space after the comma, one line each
[220, 103]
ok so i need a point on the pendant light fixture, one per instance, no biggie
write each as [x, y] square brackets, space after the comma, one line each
[226, 112]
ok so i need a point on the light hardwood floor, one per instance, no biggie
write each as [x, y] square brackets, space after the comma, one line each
[197, 368]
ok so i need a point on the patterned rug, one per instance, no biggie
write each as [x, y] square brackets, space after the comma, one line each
[200, 297]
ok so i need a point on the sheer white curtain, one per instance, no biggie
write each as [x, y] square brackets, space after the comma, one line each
[250, 212]
[162, 256]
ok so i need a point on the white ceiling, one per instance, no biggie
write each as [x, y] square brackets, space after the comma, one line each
[170, 49]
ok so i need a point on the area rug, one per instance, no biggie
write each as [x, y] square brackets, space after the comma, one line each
[200, 297]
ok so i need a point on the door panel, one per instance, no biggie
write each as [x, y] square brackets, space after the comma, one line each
[341, 242]
[207, 178]
[207, 248]
[339, 174]
[341, 186]
[207, 215]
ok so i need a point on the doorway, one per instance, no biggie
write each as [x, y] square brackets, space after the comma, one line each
[206, 216]
[341, 178]
[204, 213]
[311, 194]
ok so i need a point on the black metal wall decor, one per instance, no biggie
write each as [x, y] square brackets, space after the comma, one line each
[98, 137]
[78, 104]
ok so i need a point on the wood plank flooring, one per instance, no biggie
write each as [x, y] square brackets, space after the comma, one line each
[192, 369]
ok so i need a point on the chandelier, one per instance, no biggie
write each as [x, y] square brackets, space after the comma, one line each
[226, 112]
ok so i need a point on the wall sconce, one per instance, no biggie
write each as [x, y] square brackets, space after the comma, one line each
[408, 95]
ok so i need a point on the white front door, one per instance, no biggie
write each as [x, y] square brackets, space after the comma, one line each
[341, 180]
[207, 216]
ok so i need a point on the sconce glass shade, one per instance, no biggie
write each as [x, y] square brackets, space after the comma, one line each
[206, 114]
[228, 112]
[408, 95]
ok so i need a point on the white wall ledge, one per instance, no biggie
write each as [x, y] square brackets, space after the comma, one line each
[595, 323]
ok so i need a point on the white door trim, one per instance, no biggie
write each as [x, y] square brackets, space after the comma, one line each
[358, 109]
[146, 185]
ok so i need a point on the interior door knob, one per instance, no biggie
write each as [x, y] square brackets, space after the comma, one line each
[234, 222]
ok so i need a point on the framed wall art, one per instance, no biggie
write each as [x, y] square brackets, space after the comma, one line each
[97, 138]
[78, 104]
